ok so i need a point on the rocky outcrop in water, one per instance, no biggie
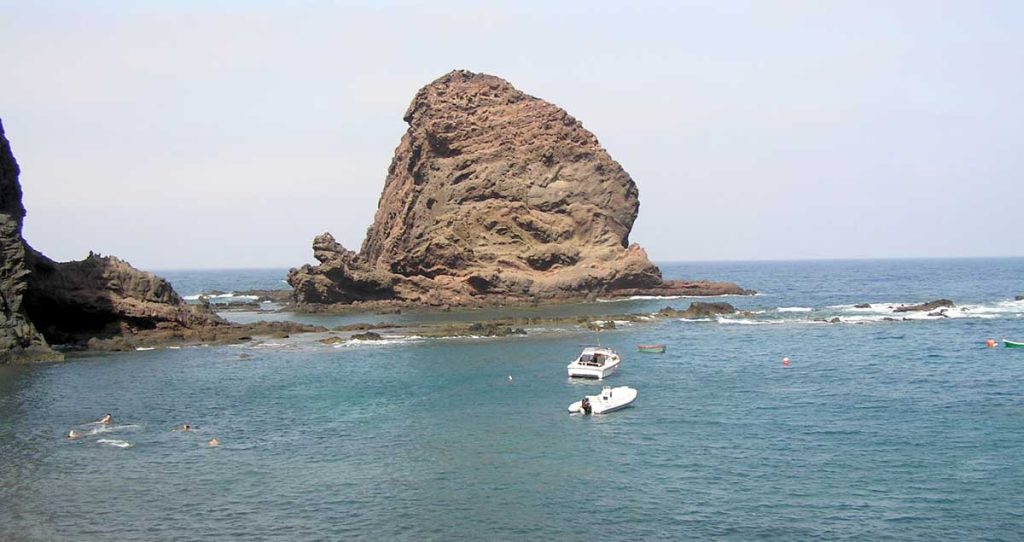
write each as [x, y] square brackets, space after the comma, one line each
[103, 297]
[929, 306]
[493, 195]
[20, 341]
[698, 309]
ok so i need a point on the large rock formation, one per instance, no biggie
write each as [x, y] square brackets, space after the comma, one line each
[103, 297]
[43, 302]
[19, 339]
[493, 194]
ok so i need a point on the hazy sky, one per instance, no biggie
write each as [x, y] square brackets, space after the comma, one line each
[193, 134]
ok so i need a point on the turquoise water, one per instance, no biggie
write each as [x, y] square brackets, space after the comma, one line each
[878, 430]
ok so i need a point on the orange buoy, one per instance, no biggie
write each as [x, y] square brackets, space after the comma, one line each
[991, 343]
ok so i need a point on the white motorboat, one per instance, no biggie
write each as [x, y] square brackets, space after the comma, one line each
[610, 400]
[594, 362]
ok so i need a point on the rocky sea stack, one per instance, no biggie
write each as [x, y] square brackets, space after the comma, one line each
[19, 339]
[43, 302]
[493, 196]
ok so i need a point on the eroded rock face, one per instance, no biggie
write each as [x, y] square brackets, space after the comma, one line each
[492, 193]
[698, 309]
[488, 175]
[20, 341]
[102, 297]
[341, 277]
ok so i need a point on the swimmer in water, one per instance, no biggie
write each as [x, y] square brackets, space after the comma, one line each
[75, 434]
[105, 420]
[214, 442]
[185, 428]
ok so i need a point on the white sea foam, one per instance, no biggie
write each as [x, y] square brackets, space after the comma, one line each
[747, 321]
[271, 345]
[144, 348]
[114, 442]
[384, 341]
[230, 296]
[863, 319]
[872, 307]
[876, 312]
[602, 323]
[540, 330]
[100, 429]
[1008, 307]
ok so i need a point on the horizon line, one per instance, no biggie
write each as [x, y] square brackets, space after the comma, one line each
[658, 262]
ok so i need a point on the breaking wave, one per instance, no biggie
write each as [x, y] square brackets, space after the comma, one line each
[872, 313]
[385, 341]
[221, 298]
[748, 321]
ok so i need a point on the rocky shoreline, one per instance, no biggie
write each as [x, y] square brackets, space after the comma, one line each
[365, 332]
[207, 335]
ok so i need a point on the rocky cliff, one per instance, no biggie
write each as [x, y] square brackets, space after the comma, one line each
[103, 297]
[43, 302]
[493, 194]
[19, 339]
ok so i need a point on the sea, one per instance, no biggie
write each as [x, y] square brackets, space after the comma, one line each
[883, 425]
